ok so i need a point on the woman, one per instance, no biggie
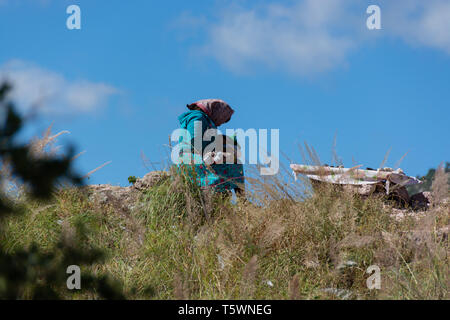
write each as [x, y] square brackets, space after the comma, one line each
[204, 115]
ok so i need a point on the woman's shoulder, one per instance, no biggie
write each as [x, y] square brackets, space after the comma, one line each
[194, 115]
[198, 114]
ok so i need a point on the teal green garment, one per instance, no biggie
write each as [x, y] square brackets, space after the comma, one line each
[220, 176]
[187, 121]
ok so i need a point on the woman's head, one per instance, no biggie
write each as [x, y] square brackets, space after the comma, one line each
[218, 110]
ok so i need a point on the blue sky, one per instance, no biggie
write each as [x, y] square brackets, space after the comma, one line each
[309, 68]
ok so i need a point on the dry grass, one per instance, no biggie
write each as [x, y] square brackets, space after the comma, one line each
[43, 146]
[283, 242]
[440, 188]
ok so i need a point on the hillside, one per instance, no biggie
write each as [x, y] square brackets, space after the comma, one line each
[165, 239]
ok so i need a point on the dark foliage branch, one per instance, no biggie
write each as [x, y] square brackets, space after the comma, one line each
[31, 272]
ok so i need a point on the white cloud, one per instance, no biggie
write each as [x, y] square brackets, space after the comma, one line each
[51, 92]
[311, 36]
[420, 23]
[301, 39]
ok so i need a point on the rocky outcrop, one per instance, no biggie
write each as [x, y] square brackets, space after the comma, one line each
[150, 179]
[124, 198]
